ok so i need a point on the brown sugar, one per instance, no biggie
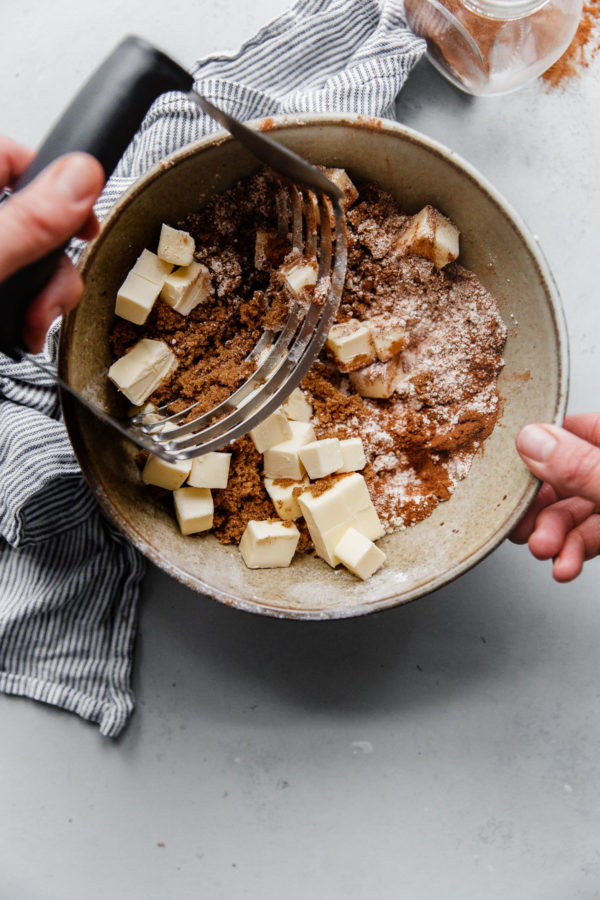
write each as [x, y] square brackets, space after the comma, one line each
[419, 443]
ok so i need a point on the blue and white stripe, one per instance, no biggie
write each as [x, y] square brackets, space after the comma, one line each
[69, 581]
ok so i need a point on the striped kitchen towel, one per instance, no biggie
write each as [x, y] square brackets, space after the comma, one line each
[69, 581]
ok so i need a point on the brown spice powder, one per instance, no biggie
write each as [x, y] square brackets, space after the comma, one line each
[448, 46]
[582, 50]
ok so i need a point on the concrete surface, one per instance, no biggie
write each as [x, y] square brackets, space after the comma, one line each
[448, 749]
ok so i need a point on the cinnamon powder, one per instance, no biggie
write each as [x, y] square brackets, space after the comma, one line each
[419, 443]
[582, 50]
[473, 66]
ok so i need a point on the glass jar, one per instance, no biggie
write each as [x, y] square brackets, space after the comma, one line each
[493, 46]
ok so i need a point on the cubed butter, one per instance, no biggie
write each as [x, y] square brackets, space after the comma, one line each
[194, 509]
[344, 504]
[353, 454]
[142, 369]
[359, 554]
[135, 298]
[342, 180]
[210, 470]
[149, 413]
[368, 523]
[281, 493]
[297, 407]
[269, 544]
[282, 460]
[379, 380]
[432, 235]
[275, 429]
[351, 345]
[388, 337]
[149, 266]
[168, 475]
[321, 458]
[185, 288]
[176, 246]
[298, 275]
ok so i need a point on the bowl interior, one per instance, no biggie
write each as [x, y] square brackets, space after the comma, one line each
[494, 244]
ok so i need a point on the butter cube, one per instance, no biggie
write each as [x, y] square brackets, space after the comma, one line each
[273, 430]
[341, 179]
[135, 298]
[345, 504]
[282, 460]
[388, 337]
[330, 507]
[321, 458]
[149, 413]
[351, 345]
[176, 246]
[210, 470]
[432, 235]
[281, 493]
[355, 492]
[297, 407]
[327, 518]
[269, 544]
[380, 379]
[269, 250]
[194, 509]
[359, 554]
[149, 266]
[299, 275]
[142, 369]
[185, 288]
[368, 523]
[353, 454]
[169, 475]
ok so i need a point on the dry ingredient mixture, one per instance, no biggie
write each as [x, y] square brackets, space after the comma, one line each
[420, 442]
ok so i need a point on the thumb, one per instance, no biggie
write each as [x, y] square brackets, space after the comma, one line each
[50, 210]
[570, 464]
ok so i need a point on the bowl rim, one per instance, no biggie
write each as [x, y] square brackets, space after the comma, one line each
[280, 124]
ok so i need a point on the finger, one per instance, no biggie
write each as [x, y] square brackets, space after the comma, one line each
[554, 524]
[46, 213]
[14, 159]
[89, 229]
[59, 296]
[586, 426]
[570, 464]
[544, 497]
[581, 544]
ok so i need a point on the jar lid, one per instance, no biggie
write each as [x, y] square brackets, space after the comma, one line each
[505, 9]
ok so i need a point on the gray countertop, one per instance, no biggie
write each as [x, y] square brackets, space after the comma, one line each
[447, 749]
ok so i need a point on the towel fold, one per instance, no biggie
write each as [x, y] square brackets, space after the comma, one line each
[69, 581]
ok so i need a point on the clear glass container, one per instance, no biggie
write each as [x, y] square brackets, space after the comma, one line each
[493, 46]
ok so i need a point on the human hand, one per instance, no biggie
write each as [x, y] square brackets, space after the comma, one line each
[41, 217]
[563, 522]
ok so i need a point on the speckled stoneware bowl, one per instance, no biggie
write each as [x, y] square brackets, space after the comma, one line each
[533, 384]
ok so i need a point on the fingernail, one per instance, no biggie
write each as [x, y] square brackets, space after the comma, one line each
[72, 178]
[535, 442]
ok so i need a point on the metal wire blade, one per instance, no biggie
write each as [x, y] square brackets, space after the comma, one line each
[284, 357]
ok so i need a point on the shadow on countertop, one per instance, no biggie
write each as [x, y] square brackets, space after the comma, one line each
[217, 663]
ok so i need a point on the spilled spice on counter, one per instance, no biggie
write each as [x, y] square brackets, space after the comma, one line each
[582, 50]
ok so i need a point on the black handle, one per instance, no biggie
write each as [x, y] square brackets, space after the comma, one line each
[101, 120]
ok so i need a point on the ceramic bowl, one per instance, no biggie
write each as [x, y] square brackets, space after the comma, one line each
[495, 244]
